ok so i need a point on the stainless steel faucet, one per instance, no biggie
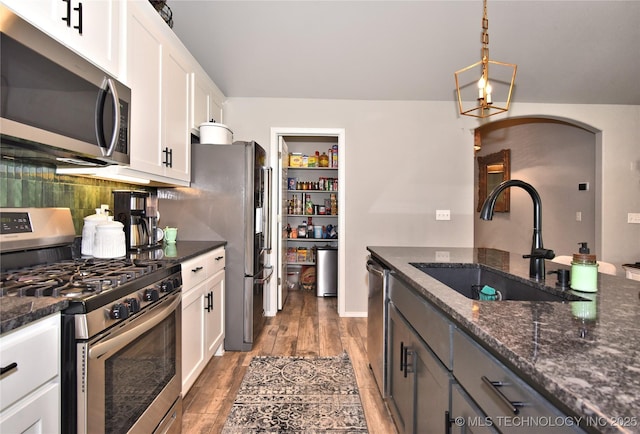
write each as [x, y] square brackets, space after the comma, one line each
[538, 252]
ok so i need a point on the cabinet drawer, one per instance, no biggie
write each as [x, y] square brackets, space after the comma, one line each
[35, 349]
[472, 363]
[217, 261]
[198, 269]
[194, 272]
[432, 327]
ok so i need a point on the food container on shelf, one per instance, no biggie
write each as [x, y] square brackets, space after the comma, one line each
[213, 133]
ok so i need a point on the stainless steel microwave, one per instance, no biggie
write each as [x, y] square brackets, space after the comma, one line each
[56, 106]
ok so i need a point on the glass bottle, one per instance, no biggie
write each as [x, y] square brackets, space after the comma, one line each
[308, 207]
[324, 160]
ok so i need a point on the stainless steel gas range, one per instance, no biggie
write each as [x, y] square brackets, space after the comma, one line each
[121, 334]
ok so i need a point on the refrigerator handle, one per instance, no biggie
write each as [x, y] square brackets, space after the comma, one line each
[267, 207]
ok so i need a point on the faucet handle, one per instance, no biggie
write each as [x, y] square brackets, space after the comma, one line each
[541, 254]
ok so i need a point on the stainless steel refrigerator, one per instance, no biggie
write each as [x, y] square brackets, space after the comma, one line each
[229, 200]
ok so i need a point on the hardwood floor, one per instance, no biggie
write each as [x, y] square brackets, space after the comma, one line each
[307, 326]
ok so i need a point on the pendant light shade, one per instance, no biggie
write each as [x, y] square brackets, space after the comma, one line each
[474, 83]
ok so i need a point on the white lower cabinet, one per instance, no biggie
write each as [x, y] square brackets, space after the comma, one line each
[202, 313]
[30, 387]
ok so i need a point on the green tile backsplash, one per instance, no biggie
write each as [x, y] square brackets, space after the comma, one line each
[24, 185]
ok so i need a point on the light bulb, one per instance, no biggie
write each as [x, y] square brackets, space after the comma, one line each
[488, 88]
[481, 84]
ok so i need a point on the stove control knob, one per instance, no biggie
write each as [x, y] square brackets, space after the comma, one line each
[133, 304]
[151, 294]
[177, 282]
[166, 286]
[119, 311]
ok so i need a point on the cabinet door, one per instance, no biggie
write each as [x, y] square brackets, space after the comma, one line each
[206, 100]
[419, 384]
[193, 320]
[214, 318]
[466, 417]
[401, 380]
[432, 389]
[39, 413]
[176, 138]
[100, 22]
[144, 72]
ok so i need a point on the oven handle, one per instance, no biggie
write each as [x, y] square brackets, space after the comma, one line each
[103, 347]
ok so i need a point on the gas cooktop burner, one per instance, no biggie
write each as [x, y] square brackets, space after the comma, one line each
[74, 278]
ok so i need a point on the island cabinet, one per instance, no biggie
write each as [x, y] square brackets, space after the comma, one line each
[30, 378]
[90, 28]
[441, 380]
[202, 313]
[419, 381]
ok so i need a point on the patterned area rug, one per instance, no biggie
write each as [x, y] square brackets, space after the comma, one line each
[298, 395]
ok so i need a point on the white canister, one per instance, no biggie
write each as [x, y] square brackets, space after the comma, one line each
[213, 133]
[89, 230]
[109, 241]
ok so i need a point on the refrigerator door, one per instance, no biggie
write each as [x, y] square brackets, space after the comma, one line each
[227, 201]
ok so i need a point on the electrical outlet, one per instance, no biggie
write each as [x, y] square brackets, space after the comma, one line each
[442, 256]
[443, 214]
[578, 216]
[633, 217]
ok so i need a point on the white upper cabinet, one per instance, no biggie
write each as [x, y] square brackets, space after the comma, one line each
[89, 27]
[207, 99]
[158, 73]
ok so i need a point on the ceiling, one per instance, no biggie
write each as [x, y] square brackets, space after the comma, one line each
[579, 52]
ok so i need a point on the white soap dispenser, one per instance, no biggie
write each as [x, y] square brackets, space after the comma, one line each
[584, 270]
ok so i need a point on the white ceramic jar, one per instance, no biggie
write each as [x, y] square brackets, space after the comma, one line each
[89, 230]
[213, 133]
[109, 241]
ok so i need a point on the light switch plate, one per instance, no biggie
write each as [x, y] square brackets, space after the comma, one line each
[443, 214]
[442, 256]
[633, 217]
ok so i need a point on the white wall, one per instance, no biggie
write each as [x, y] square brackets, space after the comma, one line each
[405, 159]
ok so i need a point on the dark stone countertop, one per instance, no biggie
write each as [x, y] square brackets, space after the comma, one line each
[587, 367]
[18, 311]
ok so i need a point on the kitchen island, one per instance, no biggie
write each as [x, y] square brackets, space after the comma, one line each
[588, 368]
[18, 311]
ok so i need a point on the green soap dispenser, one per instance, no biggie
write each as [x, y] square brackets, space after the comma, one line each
[584, 270]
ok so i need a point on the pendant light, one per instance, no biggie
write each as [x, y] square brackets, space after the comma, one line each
[474, 81]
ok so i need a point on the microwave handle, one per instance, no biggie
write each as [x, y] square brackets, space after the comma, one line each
[107, 84]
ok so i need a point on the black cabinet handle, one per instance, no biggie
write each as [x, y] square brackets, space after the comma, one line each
[67, 19]
[9, 367]
[211, 299]
[79, 26]
[493, 385]
[168, 157]
[402, 356]
[209, 303]
[195, 270]
[448, 420]
[219, 257]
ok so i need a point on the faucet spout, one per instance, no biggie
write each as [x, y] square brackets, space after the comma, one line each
[538, 252]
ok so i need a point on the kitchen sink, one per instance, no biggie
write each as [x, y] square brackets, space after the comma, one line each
[469, 280]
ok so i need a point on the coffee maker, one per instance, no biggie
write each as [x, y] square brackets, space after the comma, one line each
[133, 209]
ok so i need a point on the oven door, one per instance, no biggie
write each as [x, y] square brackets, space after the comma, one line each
[132, 376]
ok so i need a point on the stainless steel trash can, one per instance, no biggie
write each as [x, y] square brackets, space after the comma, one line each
[326, 271]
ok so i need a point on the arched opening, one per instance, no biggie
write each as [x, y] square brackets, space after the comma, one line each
[559, 157]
